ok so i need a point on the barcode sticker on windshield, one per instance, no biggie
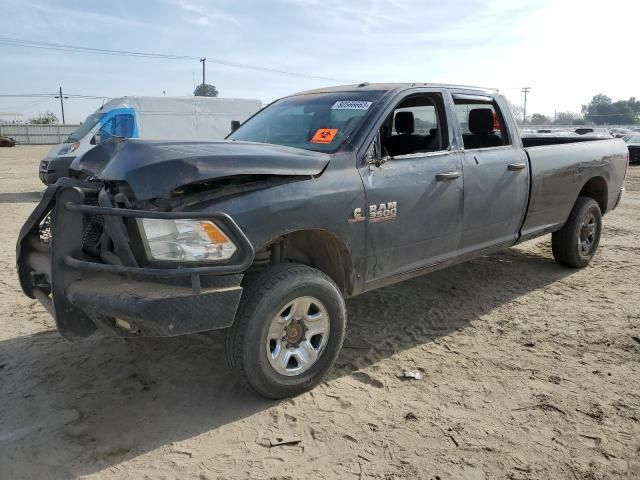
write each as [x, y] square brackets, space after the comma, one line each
[351, 105]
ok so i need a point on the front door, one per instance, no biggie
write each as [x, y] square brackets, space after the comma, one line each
[414, 199]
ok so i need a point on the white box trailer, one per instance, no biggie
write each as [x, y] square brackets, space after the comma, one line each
[152, 118]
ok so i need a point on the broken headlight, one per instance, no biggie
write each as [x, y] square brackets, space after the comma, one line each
[69, 148]
[185, 240]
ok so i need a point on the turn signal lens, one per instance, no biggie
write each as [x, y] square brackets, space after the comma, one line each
[214, 233]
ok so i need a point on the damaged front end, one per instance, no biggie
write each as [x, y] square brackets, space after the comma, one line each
[82, 255]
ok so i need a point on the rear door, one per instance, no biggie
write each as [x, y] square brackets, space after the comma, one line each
[496, 174]
[414, 199]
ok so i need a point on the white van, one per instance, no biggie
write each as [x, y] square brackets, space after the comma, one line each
[152, 118]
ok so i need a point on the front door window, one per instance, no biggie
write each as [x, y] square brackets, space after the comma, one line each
[117, 126]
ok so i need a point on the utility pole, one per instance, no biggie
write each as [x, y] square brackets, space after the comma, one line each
[61, 103]
[203, 60]
[525, 90]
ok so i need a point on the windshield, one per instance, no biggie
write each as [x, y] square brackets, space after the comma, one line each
[91, 121]
[632, 139]
[319, 122]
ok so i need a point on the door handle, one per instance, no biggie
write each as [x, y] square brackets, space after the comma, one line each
[447, 176]
[517, 166]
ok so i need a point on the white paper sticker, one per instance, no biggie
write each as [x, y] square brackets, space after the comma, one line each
[351, 105]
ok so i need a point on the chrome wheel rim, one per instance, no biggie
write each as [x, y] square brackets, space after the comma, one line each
[587, 234]
[297, 336]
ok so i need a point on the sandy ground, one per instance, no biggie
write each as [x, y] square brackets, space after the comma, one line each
[531, 370]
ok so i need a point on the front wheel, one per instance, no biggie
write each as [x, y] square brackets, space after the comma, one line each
[288, 331]
[577, 242]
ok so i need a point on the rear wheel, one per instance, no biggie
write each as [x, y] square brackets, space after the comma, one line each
[577, 242]
[288, 331]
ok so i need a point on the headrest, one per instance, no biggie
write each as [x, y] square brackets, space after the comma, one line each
[481, 121]
[404, 122]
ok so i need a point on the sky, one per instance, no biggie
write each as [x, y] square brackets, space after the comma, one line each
[565, 50]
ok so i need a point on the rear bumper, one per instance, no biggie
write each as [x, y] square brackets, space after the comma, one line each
[123, 298]
[619, 197]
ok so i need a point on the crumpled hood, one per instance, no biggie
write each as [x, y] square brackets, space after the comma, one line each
[153, 169]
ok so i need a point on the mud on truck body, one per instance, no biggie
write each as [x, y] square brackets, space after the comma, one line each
[318, 197]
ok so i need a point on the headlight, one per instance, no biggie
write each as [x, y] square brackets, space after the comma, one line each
[69, 148]
[185, 240]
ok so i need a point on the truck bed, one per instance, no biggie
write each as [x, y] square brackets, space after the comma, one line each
[560, 168]
[538, 141]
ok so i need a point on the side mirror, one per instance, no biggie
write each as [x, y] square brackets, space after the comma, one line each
[374, 155]
[235, 124]
[95, 139]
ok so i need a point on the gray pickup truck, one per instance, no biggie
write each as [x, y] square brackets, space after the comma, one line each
[318, 197]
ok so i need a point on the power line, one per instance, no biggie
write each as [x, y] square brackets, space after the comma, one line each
[52, 95]
[30, 104]
[16, 42]
[26, 95]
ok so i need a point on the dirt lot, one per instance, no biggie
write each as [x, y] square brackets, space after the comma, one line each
[531, 370]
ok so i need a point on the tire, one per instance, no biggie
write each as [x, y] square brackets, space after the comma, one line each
[577, 242]
[254, 348]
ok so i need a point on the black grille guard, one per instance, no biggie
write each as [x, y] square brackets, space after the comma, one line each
[58, 272]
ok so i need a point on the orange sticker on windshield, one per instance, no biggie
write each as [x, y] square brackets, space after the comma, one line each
[324, 135]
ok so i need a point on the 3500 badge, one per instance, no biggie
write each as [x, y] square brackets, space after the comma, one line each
[383, 212]
[377, 213]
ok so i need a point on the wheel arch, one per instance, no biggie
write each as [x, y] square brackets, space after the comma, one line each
[317, 248]
[598, 189]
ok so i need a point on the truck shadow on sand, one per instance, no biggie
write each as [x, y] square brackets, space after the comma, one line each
[73, 409]
[20, 197]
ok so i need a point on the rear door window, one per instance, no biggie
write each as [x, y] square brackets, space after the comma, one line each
[481, 122]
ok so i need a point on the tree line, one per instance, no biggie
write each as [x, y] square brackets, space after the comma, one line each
[601, 110]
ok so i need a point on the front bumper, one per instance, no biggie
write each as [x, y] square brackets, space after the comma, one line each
[53, 168]
[120, 296]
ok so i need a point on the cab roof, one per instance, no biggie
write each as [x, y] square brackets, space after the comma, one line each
[365, 86]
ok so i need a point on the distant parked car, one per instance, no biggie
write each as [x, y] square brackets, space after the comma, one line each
[7, 141]
[620, 132]
[633, 144]
[593, 132]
